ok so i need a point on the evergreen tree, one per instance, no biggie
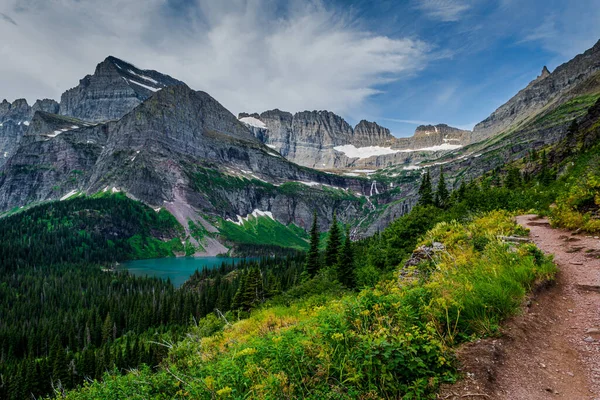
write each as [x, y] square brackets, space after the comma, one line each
[107, 329]
[545, 176]
[442, 194]
[425, 190]
[513, 178]
[462, 191]
[345, 264]
[312, 258]
[60, 371]
[334, 241]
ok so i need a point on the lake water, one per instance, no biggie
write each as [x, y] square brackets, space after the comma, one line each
[178, 269]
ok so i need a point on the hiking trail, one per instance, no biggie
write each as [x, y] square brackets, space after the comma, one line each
[551, 350]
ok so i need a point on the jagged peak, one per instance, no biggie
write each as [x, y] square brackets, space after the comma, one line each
[545, 73]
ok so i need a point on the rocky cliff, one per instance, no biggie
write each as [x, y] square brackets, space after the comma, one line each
[324, 140]
[547, 90]
[438, 135]
[115, 88]
[14, 120]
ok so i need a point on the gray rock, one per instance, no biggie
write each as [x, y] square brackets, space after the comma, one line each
[115, 88]
[14, 121]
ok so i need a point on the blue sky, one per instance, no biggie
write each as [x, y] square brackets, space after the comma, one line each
[400, 63]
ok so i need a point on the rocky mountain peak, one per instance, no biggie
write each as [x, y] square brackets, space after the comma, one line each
[115, 88]
[545, 73]
[371, 134]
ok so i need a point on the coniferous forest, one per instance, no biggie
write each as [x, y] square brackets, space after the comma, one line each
[68, 315]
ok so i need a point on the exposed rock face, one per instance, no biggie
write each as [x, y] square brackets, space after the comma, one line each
[310, 139]
[115, 88]
[14, 120]
[543, 91]
[430, 135]
[370, 134]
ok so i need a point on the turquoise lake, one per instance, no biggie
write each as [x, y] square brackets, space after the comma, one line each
[178, 269]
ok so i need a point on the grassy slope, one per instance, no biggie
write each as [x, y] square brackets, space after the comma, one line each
[388, 341]
[263, 230]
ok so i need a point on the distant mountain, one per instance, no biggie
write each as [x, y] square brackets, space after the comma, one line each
[324, 140]
[578, 76]
[14, 120]
[114, 89]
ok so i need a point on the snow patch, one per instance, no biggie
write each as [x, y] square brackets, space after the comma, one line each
[440, 147]
[256, 213]
[412, 168]
[66, 196]
[144, 77]
[351, 174]
[152, 89]
[26, 123]
[257, 123]
[352, 151]
[114, 190]
[272, 146]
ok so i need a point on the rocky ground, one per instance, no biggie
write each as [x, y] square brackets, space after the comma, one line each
[551, 350]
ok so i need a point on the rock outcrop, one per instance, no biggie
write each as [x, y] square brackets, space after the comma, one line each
[115, 88]
[436, 135]
[546, 89]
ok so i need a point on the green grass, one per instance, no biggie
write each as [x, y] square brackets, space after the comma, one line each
[571, 109]
[264, 231]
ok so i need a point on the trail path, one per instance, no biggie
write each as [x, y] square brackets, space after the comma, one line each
[552, 350]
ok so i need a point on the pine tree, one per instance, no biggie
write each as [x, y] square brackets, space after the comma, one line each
[60, 372]
[513, 178]
[312, 265]
[462, 191]
[425, 191]
[442, 194]
[545, 176]
[334, 241]
[345, 264]
[107, 329]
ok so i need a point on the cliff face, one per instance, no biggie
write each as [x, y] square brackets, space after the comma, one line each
[546, 89]
[14, 121]
[429, 136]
[115, 88]
[324, 140]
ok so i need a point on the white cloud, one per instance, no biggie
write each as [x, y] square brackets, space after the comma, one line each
[443, 10]
[243, 52]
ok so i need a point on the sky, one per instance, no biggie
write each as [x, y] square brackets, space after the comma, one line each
[400, 63]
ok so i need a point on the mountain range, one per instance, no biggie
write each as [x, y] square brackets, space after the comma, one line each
[150, 136]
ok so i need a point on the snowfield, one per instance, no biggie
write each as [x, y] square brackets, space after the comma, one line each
[257, 123]
[352, 151]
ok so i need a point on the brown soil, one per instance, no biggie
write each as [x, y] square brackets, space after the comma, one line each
[551, 350]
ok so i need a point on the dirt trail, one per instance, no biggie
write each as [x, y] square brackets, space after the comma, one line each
[552, 350]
